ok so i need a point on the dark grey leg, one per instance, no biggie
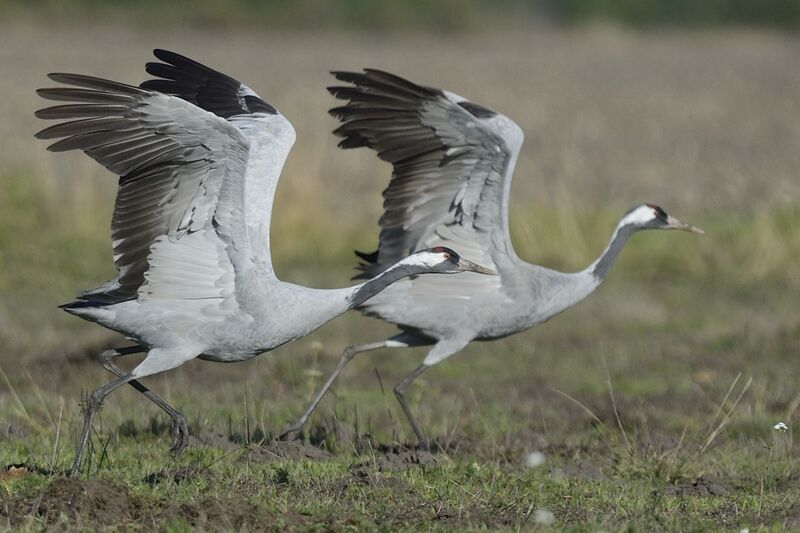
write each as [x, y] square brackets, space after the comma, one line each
[92, 405]
[180, 428]
[346, 357]
[400, 390]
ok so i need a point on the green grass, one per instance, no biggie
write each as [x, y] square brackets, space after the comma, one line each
[599, 478]
[623, 395]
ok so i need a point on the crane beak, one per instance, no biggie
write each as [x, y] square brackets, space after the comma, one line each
[674, 223]
[469, 266]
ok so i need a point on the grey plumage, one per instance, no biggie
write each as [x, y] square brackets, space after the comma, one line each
[198, 156]
[452, 162]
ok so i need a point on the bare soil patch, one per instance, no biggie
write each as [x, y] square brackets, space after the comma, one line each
[702, 486]
[96, 501]
[394, 459]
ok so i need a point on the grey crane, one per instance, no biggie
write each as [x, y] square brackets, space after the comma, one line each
[198, 156]
[452, 165]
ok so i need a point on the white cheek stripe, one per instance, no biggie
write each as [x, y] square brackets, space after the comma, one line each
[425, 259]
[640, 215]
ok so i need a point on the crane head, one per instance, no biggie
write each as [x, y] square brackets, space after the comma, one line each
[651, 216]
[443, 260]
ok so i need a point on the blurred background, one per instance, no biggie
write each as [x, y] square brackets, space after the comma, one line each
[691, 105]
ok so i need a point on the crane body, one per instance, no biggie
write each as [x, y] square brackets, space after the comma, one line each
[452, 162]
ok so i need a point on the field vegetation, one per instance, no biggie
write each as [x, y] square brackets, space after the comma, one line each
[452, 16]
[650, 406]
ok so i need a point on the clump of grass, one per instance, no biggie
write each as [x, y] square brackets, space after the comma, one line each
[632, 454]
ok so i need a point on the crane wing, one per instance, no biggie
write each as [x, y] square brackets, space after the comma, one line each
[179, 228]
[246, 204]
[452, 161]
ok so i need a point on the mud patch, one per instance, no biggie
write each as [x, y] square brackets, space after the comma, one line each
[178, 476]
[215, 515]
[99, 501]
[396, 460]
[702, 486]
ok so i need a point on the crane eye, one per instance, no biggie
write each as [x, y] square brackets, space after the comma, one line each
[446, 255]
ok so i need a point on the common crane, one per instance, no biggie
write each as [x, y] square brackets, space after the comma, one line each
[452, 164]
[198, 156]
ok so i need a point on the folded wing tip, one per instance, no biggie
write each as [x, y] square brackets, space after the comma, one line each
[164, 54]
[337, 73]
[58, 76]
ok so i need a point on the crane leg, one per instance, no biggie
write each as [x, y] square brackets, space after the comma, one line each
[346, 357]
[400, 390]
[157, 360]
[443, 349]
[90, 408]
[180, 427]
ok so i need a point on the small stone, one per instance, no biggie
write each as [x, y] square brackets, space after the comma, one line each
[544, 517]
[534, 459]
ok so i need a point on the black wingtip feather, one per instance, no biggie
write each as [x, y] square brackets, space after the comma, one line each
[342, 74]
[162, 54]
[476, 110]
[354, 142]
[161, 86]
[371, 257]
[176, 59]
[203, 86]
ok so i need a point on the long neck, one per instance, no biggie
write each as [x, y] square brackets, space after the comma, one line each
[365, 291]
[599, 269]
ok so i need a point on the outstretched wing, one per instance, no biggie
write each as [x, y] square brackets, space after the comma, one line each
[270, 138]
[180, 226]
[452, 162]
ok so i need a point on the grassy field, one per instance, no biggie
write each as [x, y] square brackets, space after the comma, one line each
[650, 406]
